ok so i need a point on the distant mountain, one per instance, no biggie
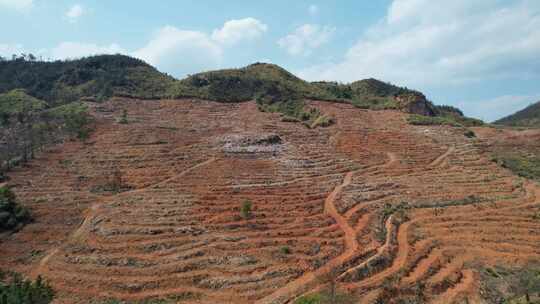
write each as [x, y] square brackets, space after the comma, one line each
[528, 117]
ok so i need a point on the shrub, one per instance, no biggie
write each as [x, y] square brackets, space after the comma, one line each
[310, 299]
[12, 215]
[285, 250]
[15, 290]
[245, 210]
[123, 119]
[469, 134]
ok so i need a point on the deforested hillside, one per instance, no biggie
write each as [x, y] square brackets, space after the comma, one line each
[528, 117]
[196, 201]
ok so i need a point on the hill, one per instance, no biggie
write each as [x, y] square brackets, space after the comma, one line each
[152, 209]
[528, 117]
[101, 77]
[96, 77]
[271, 83]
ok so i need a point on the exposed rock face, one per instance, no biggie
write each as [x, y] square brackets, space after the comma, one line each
[415, 104]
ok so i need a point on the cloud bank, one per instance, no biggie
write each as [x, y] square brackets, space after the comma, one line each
[419, 43]
[304, 39]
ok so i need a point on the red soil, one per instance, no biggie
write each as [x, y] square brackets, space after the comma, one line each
[177, 232]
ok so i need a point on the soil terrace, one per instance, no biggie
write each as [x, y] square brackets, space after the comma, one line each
[370, 198]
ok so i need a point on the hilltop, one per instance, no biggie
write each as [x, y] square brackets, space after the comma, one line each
[96, 77]
[528, 117]
[104, 76]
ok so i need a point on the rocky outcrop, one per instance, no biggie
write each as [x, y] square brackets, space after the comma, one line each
[415, 103]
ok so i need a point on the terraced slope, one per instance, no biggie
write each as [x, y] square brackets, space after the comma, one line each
[151, 208]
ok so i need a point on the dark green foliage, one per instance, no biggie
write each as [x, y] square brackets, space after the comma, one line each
[445, 110]
[257, 81]
[16, 290]
[285, 250]
[528, 117]
[469, 134]
[12, 215]
[245, 210]
[99, 77]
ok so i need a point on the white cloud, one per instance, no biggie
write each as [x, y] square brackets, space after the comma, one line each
[180, 52]
[74, 13]
[234, 31]
[170, 49]
[71, 50]
[313, 10]
[423, 43]
[306, 38]
[498, 107]
[19, 5]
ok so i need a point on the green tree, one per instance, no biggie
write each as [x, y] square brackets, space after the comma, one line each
[245, 210]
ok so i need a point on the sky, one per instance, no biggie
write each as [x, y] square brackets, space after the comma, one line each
[482, 56]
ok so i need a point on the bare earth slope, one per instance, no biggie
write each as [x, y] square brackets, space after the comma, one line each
[331, 196]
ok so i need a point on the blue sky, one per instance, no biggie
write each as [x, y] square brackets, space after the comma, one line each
[482, 56]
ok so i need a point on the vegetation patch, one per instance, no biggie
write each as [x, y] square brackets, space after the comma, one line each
[12, 215]
[75, 119]
[245, 210]
[325, 298]
[469, 134]
[295, 111]
[97, 77]
[512, 286]
[527, 166]
[28, 124]
[421, 120]
[16, 290]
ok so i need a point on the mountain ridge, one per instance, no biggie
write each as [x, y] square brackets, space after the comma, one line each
[527, 117]
[103, 76]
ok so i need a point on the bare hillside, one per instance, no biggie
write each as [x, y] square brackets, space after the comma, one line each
[157, 207]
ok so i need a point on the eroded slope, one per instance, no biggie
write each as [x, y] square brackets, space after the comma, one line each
[151, 208]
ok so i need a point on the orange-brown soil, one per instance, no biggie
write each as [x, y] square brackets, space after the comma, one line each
[186, 167]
